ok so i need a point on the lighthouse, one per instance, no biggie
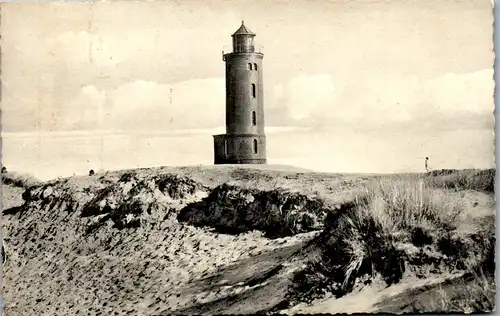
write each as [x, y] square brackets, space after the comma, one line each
[244, 141]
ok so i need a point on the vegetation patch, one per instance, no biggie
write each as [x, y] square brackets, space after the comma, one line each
[125, 201]
[278, 213]
[396, 227]
[469, 179]
[122, 202]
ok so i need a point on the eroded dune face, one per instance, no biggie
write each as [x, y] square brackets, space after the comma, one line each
[169, 240]
[277, 213]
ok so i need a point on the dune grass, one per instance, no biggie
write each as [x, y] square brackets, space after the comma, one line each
[469, 179]
[388, 228]
[401, 204]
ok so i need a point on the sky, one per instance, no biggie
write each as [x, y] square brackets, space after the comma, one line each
[349, 86]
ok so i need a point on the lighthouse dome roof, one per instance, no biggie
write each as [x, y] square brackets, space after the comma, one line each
[243, 30]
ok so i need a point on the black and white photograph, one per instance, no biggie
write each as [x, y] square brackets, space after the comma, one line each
[212, 157]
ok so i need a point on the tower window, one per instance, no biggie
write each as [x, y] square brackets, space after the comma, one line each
[253, 90]
[225, 147]
[254, 118]
[254, 146]
[255, 66]
[249, 66]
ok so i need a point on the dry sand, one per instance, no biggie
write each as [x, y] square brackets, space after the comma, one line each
[55, 267]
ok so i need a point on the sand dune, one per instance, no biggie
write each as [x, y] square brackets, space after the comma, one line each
[116, 242]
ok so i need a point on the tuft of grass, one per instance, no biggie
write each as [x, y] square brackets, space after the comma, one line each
[400, 204]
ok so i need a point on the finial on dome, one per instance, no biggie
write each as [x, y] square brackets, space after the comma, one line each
[242, 22]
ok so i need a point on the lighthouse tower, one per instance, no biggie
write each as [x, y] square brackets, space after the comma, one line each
[245, 140]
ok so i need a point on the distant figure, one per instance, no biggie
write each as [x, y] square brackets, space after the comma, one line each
[427, 164]
[4, 169]
[91, 172]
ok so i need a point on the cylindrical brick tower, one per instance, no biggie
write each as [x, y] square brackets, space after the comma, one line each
[245, 140]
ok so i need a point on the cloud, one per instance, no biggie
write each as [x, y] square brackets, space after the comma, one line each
[308, 94]
[164, 69]
[452, 101]
[141, 81]
[470, 93]
[85, 110]
[187, 104]
[325, 100]
[145, 105]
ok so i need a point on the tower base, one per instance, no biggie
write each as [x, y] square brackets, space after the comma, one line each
[241, 162]
[239, 149]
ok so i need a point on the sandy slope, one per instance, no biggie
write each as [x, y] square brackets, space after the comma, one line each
[11, 196]
[141, 270]
[58, 265]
